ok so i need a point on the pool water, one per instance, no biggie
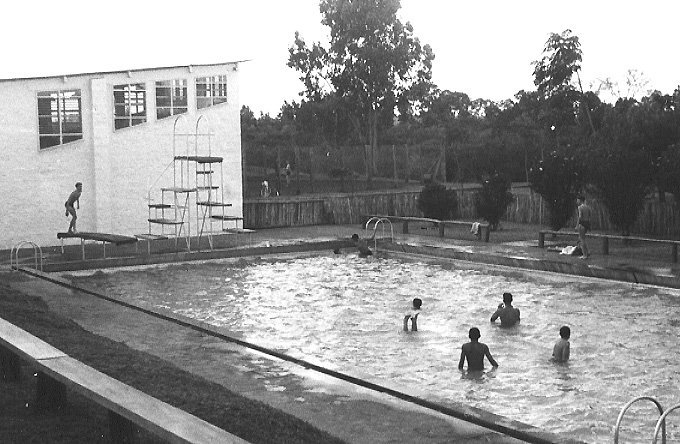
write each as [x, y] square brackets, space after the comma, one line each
[346, 314]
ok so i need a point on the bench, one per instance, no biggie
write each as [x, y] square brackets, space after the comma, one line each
[441, 224]
[606, 237]
[126, 405]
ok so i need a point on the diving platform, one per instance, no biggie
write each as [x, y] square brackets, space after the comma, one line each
[104, 238]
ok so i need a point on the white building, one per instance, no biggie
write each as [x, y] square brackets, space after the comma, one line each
[115, 132]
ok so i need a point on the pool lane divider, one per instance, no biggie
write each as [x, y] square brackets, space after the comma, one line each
[474, 415]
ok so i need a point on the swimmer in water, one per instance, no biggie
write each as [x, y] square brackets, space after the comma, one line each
[362, 245]
[561, 348]
[412, 314]
[509, 315]
[474, 351]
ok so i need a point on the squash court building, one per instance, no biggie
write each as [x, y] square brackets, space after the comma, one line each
[158, 151]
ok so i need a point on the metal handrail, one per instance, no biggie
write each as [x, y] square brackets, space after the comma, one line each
[629, 404]
[37, 255]
[378, 221]
[661, 423]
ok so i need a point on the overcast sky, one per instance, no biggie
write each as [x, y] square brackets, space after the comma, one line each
[482, 48]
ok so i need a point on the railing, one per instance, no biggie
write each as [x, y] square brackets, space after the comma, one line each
[378, 221]
[37, 255]
[661, 423]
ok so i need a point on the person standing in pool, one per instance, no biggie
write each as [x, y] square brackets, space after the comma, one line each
[474, 352]
[412, 314]
[509, 315]
[561, 348]
[362, 245]
[583, 224]
[73, 198]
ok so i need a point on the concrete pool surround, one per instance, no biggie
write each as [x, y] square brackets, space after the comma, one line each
[517, 258]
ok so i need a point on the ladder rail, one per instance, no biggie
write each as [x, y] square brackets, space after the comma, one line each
[379, 221]
[37, 255]
[625, 408]
[661, 424]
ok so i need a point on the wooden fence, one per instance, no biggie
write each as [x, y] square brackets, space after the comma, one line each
[657, 218]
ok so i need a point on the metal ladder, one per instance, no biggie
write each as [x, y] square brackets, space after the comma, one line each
[37, 255]
[660, 423]
[378, 221]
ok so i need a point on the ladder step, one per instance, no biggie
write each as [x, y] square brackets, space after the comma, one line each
[200, 159]
[211, 187]
[213, 204]
[162, 221]
[226, 217]
[205, 172]
[160, 205]
[179, 189]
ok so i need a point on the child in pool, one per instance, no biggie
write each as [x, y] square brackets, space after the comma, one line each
[412, 314]
[561, 348]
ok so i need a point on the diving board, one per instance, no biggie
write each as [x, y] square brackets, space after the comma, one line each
[116, 239]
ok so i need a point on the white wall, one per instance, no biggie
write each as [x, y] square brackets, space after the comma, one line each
[116, 166]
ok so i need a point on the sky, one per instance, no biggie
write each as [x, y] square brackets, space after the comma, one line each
[483, 48]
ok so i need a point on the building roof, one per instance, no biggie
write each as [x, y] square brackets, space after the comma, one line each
[95, 73]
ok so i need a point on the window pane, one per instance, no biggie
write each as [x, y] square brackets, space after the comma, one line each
[163, 101]
[121, 123]
[180, 110]
[162, 113]
[71, 138]
[202, 102]
[48, 141]
[219, 100]
[72, 127]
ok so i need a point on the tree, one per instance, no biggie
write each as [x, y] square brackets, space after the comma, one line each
[553, 73]
[493, 199]
[558, 178]
[373, 63]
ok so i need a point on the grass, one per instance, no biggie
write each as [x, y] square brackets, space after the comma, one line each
[82, 421]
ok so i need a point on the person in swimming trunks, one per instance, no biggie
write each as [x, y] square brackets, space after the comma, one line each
[509, 315]
[474, 351]
[583, 224]
[412, 314]
[73, 198]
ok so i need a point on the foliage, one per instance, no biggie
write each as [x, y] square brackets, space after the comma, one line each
[436, 202]
[621, 179]
[493, 199]
[558, 179]
[372, 64]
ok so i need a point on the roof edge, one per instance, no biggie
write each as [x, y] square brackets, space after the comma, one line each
[119, 71]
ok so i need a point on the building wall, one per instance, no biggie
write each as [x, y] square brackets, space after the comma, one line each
[117, 167]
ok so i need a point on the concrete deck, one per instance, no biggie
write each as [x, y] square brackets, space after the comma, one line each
[343, 409]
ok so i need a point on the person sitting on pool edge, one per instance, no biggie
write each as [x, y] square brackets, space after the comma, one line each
[413, 313]
[561, 348]
[509, 315]
[362, 245]
[474, 351]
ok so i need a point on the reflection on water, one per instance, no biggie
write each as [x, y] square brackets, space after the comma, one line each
[346, 314]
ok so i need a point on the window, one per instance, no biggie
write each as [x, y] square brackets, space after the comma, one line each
[171, 98]
[210, 91]
[60, 118]
[129, 103]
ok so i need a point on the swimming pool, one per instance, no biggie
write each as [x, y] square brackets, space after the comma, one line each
[346, 314]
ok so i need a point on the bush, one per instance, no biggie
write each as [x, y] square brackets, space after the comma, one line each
[436, 202]
[558, 179]
[493, 200]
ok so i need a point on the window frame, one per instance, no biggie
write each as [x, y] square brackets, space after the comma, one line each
[64, 117]
[214, 91]
[131, 99]
[175, 106]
